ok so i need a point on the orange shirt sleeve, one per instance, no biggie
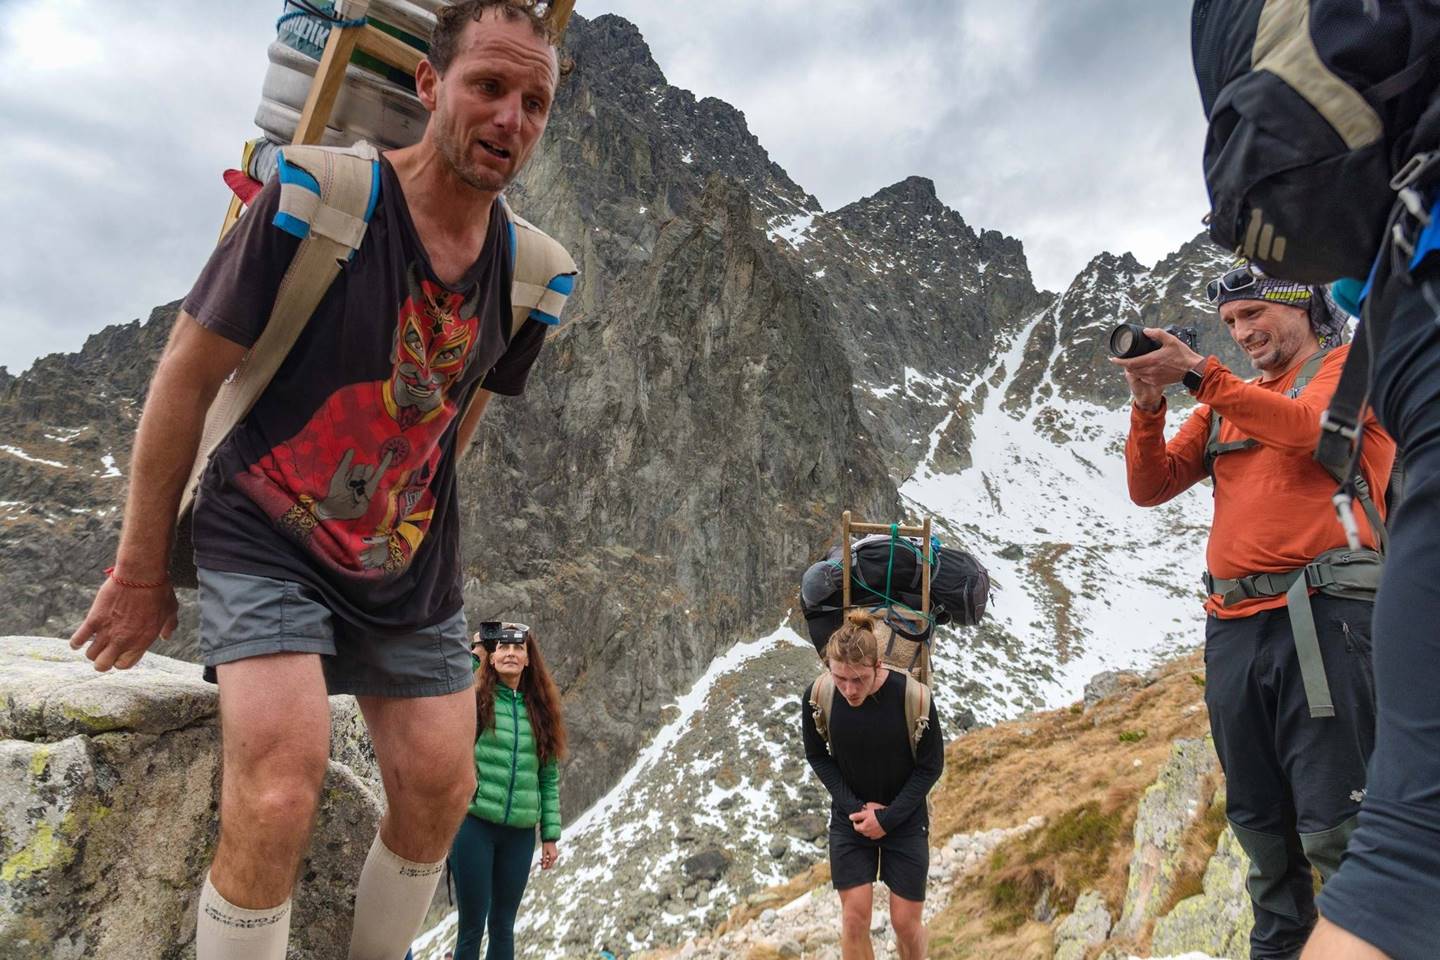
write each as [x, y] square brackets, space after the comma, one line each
[1157, 471]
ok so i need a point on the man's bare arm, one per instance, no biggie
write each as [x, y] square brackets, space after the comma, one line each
[125, 620]
[466, 431]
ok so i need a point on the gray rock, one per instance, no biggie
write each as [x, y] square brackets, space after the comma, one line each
[706, 866]
[810, 826]
[1012, 551]
[108, 790]
[1086, 926]
[1217, 922]
[1108, 684]
[778, 848]
[1181, 793]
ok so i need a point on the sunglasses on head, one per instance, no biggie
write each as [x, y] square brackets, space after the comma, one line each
[1232, 281]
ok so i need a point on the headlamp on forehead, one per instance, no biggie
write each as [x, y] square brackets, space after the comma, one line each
[495, 633]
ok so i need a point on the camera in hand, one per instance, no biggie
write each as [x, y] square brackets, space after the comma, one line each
[1128, 340]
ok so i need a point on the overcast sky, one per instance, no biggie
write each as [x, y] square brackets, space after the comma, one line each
[1071, 124]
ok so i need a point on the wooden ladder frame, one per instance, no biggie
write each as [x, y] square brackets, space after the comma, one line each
[850, 526]
[330, 73]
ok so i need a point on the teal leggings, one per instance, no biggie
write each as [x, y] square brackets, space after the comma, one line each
[491, 865]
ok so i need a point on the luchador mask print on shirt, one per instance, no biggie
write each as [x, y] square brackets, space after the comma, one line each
[353, 485]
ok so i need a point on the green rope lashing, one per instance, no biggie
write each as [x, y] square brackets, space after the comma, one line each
[890, 564]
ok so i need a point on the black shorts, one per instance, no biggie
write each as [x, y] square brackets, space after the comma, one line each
[903, 862]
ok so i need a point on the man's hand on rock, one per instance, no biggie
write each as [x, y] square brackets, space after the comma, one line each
[124, 621]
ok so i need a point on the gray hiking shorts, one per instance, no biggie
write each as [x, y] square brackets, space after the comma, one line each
[243, 616]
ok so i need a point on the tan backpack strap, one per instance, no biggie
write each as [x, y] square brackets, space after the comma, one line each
[917, 712]
[543, 275]
[327, 203]
[822, 697]
[541, 280]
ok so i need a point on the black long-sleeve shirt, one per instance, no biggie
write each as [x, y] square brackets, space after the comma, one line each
[868, 757]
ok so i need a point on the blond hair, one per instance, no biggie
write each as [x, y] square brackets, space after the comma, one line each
[855, 642]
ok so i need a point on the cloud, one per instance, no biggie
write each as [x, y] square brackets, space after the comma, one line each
[120, 120]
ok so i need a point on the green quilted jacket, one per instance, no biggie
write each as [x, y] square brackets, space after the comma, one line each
[512, 788]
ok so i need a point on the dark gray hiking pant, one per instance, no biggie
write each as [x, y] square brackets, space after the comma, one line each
[1293, 782]
[1388, 891]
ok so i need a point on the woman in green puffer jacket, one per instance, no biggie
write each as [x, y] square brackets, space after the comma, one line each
[517, 752]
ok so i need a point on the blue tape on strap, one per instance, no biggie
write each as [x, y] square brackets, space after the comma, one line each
[291, 174]
[1429, 240]
[563, 283]
[292, 224]
[549, 319]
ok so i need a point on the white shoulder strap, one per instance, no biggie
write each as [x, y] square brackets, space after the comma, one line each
[543, 277]
[326, 198]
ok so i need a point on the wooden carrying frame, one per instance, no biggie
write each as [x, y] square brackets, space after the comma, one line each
[330, 74]
[897, 651]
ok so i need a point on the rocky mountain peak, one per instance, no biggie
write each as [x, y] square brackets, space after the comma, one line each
[912, 189]
[617, 42]
[1108, 266]
[1198, 253]
[904, 206]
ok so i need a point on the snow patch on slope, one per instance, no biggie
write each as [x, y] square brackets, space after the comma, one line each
[1085, 580]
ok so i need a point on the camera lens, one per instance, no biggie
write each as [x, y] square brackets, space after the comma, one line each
[1128, 340]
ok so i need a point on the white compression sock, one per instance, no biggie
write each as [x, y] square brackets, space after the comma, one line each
[224, 931]
[390, 903]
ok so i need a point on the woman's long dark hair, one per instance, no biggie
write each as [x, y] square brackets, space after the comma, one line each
[542, 701]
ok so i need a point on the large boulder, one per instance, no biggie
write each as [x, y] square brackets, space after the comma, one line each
[109, 787]
[1218, 921]
[1180, 794]
[1105, 685]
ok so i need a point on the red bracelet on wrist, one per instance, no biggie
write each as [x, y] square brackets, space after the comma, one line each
[136, 584]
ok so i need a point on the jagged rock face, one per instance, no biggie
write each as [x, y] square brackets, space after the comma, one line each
[921, 300]
[108, 791]
[625, 152]
[66, 427]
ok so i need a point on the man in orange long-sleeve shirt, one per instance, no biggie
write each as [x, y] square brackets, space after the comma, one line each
[1287, 650]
